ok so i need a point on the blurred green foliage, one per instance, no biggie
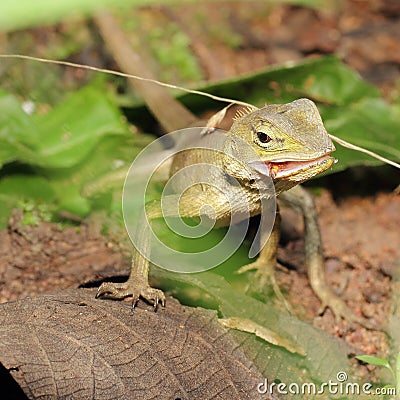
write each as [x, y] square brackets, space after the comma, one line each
[78, 140]
[49, 157]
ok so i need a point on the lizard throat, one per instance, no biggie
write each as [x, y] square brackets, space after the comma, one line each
[281, 169]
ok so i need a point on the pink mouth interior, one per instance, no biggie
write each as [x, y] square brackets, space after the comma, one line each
[278, 169]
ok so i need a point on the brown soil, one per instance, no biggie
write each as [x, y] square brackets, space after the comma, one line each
[39, 259]
[361, 244]
[360, 234]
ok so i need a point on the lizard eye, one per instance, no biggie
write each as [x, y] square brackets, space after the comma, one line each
[263, 137]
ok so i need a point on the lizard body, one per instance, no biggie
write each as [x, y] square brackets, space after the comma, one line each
[286, 143]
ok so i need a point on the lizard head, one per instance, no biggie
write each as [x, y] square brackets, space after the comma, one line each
[289, 140]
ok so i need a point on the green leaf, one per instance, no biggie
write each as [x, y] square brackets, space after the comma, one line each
[110, 153]
[351, 108]
[370, 123]
[69, 132]
[78, 141]
[62, 138]
[375, 361]
[324, 79]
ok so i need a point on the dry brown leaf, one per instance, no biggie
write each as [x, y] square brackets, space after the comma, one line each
[70, 345]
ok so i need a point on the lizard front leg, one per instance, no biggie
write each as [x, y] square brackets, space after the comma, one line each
[301, 199]
[189, 205]
[137, 284]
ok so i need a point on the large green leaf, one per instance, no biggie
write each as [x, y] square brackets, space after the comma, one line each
[325, 355]
[71, 130]
[61, 138]
[323, 79]
[111, 152]
[369, 123]
[79, 140]
[351, 108]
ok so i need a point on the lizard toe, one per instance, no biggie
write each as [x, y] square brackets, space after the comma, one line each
[341, 310]
[113, 290]
[154, 296]
[121, 290]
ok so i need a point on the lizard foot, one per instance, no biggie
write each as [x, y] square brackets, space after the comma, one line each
[340, 310]
[121, 290]
[265, 274]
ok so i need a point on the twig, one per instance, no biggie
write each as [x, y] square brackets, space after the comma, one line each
[124, 75]
[170, 112]
[362, 150]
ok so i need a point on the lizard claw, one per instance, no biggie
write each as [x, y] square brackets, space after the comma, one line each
[340, 310]
[122, 290]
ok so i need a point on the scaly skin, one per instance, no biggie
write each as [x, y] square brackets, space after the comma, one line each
[288, 139]
[300, 144]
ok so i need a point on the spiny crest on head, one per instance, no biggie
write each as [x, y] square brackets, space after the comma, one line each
[215, 120]
[242, 112]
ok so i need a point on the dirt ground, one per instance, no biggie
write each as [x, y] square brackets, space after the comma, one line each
[360, 234]
[361, 244]
[361, 247]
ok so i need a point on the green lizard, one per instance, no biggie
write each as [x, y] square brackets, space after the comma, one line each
[293, 145]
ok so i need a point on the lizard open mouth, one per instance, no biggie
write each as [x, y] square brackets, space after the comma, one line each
[279, 169]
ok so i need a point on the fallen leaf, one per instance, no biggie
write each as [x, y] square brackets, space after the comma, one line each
[70, 345]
